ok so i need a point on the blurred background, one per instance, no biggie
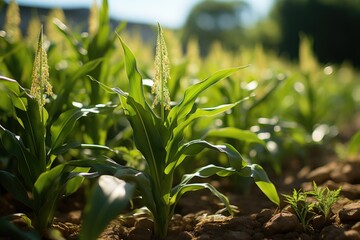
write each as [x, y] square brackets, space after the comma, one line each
[333, 26]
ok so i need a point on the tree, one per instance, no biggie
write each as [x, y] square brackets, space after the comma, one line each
[212, 21]
[332, 25]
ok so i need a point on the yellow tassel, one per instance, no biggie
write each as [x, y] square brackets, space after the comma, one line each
[12, 22]
[162, 73]
[40, 86]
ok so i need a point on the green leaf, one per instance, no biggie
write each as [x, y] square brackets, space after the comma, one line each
[202, 112]
[198, 186]
[62, 127]
[354, 145]
[207, 171]
[109, 196]
[34, 123]
[47, 190]
[75, 180]
[98, 165]
[100, 44]
[108, 167]
[196, 146]
[59, 181]
[267, 94]
[86, 68]
[75, 144]
[180, 111]
[235, 133]
[262, 181]
[136, 90]
[177, 137]
[69, 36]
[25, 160]
[143, 184]
[17, 95]
[147, 137]
[13, 185]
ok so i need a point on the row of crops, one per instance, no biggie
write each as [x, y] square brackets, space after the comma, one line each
[66, 110]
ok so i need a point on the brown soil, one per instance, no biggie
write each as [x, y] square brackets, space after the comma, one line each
[199, 214]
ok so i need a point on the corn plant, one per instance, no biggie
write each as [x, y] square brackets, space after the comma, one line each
[15, 56]
[158, 131]
[95, 52]
[36, 145]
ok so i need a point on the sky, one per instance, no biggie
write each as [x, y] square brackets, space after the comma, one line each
[170, 13]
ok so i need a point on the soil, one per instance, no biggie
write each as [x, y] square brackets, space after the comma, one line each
[199, 215]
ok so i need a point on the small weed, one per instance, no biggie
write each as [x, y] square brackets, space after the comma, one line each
[306, 209]
[325, 198]
[302, 207]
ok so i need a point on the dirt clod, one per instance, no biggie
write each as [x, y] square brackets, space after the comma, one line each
[281, 223]
[350, 212]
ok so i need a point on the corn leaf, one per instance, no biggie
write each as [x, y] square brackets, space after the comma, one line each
[25, 160]
[16, 92]
[146, 135]
[75, 144]
[236, 163]
[205, 172]
[198, 186]
[86, 68]
[75, 180]
[196, 146]
[14, 186]
[34, 123]
[109, 167]
[69, 36]
[59, 181]
[109, 196]
[29, 117]
[101, 43]
[143, 184]
[62, 127]
[180, 111]
[47, 190]
[235, 133]
[354, 145]
[136, 90]
[64, 92]
[173, 144]
[262, 181]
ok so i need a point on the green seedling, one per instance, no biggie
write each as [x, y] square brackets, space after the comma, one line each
[325, 198]
[305, 208]
[158, 132]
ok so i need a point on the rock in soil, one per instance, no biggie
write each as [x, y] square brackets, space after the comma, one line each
[282, 223]
[140, 234]
[352, 234]
[350, 212]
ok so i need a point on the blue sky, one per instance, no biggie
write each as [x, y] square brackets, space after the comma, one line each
[170, 13]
